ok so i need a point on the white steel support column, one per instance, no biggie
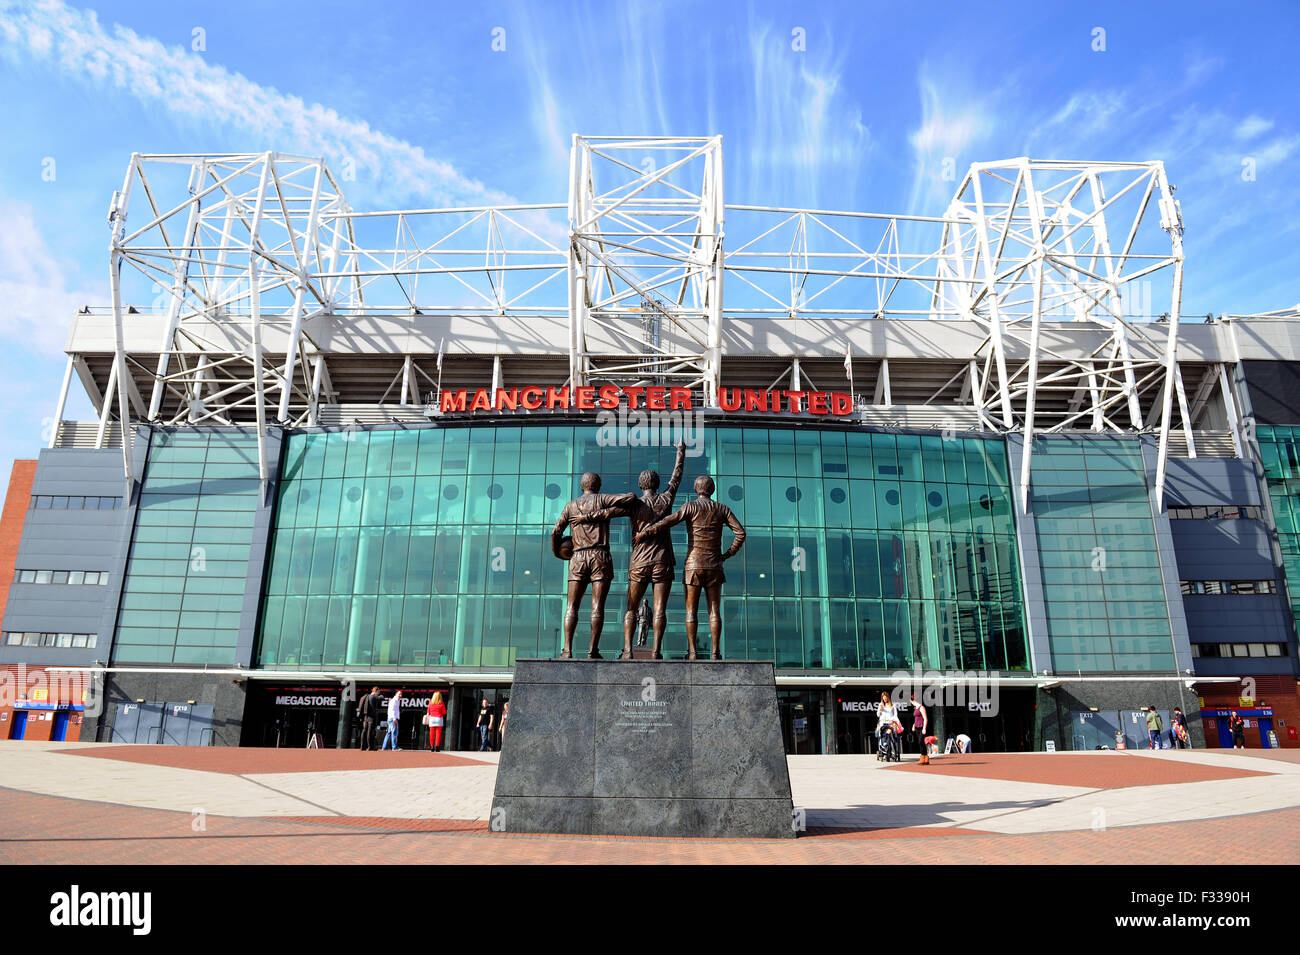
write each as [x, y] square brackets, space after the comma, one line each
[1230, 409]
[1172, 222]
[63, 400]
[1031, 393]
[497, 382]
[299, 294]
[1098, 415]
[991, 301]
[1184, 412]
[579, 186]
[796, 378]
[117, 226]
[179, 281]
[106, 406]
[711, 220]
[884, 396]
[255, 324]
[1130, 382]
[313, 410]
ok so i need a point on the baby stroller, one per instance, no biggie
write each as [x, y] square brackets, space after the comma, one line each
[887, 749]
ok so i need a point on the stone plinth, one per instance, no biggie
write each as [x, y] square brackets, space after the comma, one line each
[644, 748]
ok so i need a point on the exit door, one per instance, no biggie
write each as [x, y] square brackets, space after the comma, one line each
[19, 724]
[60, 730]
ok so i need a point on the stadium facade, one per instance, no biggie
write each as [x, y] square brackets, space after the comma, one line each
[978, 454]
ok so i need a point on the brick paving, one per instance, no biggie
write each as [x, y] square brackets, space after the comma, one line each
[135, 805]
[1087, 770]
[1281, 755]
[50, 829]
[240, 761]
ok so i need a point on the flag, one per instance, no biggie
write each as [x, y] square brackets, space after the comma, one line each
[848, 362]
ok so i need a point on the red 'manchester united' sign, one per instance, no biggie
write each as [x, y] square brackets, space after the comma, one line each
[636, 397]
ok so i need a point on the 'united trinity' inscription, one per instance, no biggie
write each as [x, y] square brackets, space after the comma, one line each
[643, 716]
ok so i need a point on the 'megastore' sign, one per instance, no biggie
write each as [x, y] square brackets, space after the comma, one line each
[636, 397]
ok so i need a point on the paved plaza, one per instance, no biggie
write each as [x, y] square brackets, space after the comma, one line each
[96, 803]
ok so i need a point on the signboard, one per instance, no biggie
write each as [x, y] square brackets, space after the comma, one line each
[1050, 745]
[638, 397]
[1272, 739]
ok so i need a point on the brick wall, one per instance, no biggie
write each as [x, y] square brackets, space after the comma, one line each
[17, 500]
[1279, 692]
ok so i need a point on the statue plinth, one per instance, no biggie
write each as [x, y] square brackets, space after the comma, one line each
[644, 748]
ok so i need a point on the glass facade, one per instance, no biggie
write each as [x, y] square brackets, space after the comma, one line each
[185, 578]
[1106, 603]
[430, 547]
[1279, 445]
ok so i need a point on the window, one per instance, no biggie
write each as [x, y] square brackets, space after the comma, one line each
[64, 640]
[1189, 587]
[64, 502]
[1273, 650]
[1216, 512]
[92, 578]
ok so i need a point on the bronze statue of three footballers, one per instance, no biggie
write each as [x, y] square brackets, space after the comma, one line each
[652, 562]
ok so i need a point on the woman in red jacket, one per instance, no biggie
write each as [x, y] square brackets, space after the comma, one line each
[437, 716]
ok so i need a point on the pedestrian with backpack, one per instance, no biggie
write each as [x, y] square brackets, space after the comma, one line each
[1154, 727]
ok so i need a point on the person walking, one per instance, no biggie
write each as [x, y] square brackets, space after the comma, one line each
[484, 724]
[1178, 736]
[1238, 727]
[886, 723]
[921, 728]
[501, 727]
[370, 709]
[394, 721]
[436, 717]
[1154, 727]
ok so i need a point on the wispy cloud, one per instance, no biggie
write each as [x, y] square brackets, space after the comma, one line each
[951, 122]
[37, 296]
[1252, 126]
[53, 35]
[805, 120]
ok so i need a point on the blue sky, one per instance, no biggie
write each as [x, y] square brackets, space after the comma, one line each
[861, 117]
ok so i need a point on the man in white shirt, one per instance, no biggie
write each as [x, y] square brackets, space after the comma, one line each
[394, 721]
